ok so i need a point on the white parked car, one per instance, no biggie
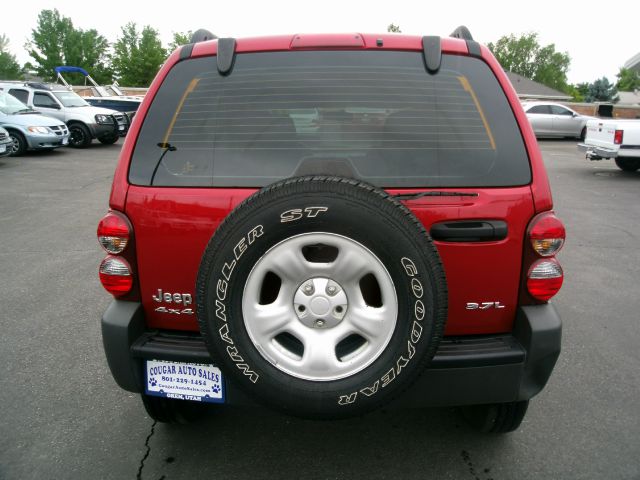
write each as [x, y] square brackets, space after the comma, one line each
[550, 119]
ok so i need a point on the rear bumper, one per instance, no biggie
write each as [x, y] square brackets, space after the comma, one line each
[464, 371]
[597, 153]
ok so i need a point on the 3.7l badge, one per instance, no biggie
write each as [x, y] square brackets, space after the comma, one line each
[484, 305]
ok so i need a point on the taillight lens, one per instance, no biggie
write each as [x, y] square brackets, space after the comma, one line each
[114, 233]
[546, 234]
[545, 279]
[115, 275]
[617, 137]
[544, 275]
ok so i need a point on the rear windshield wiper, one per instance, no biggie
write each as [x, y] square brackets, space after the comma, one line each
[167, 147]
[414, 196]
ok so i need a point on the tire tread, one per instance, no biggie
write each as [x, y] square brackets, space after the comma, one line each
[344, 186]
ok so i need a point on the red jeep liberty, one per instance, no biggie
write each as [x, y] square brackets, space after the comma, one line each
[326, 224]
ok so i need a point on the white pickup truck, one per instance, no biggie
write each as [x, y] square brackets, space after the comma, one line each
[613, 138]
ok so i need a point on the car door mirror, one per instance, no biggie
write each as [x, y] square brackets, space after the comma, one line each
[574, 115]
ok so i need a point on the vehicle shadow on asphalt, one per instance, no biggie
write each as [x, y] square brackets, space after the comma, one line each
[418, 443]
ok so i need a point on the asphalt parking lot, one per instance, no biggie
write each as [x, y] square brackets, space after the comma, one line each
[62, 416]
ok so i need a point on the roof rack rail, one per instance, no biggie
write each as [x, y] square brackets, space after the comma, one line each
[202, 35]
[462, 32]
[432, 53]
[226, 55]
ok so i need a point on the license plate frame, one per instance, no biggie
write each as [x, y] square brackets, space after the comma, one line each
[197, 382]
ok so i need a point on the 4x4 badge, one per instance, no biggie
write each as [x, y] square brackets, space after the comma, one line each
[175, 311]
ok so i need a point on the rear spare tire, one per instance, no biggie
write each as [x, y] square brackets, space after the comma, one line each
[321, 296]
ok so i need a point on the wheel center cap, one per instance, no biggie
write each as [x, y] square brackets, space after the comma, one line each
[320, 302]
[320, 306]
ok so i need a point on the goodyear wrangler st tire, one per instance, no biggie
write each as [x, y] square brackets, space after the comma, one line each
[321, 296]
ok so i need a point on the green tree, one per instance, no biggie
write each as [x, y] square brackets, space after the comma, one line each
[4, 43]
[578, 91]
[179, 39]
[602, 90]
[55, 41]
[525, 56]
[628, 80]
[137, 56]
[575, 93]
[392, 28]
[9, 67]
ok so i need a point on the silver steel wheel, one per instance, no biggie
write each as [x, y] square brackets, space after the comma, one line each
[15, 144]
[320, 306]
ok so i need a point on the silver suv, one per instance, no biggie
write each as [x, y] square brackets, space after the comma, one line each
[85, 122]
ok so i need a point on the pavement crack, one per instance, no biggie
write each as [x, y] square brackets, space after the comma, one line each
[148, 451]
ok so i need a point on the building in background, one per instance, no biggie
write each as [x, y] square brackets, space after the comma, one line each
[633, 63]
[529, 90]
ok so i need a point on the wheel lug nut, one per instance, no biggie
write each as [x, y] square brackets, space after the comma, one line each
[331, 289]
[308, 288]
[319, 323]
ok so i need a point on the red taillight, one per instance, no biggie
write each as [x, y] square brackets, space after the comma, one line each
[545, 279]
[116, 276]
[546, 236]
[617, 137]
[114, 232]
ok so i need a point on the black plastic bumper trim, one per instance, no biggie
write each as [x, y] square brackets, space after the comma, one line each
[171, 346]
[465, 370]
[453, 352]
[122, 324]
[477, 351]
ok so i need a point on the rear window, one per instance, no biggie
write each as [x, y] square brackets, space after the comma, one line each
[373, 115]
